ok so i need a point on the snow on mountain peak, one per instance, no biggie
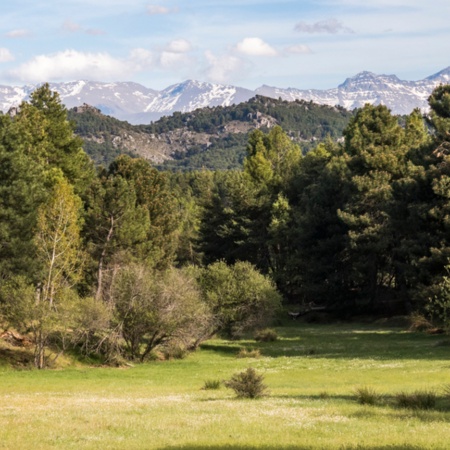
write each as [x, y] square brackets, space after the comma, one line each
[138, 104]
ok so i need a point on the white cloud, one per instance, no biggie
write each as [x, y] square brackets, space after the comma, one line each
[298, 49]
[171, 60]
[224, 68]
[255, 47]
[5, 55]
[179, 46]
[140, 59]
[71, 64]
[17, 33]
[329, 26]
[72, 27]
[155, 10]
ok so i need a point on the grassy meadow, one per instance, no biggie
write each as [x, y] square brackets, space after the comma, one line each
[312, 372]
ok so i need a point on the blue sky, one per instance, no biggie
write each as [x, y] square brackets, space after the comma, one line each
[285, 43]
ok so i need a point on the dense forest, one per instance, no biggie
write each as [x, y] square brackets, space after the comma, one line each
[117, 262]
[211, 138]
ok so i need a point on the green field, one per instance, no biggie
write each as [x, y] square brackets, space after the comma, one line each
[312, 372]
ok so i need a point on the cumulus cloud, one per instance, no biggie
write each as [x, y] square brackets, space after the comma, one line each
[5, 55]
[140, 59]
[155, 10]
[329, 26]
[71, 64]
[14, 34]
[179, 46]
[298, 49]
[222, 69]
[255, 47]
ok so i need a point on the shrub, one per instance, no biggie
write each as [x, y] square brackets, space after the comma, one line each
[366, 396]
[247, 384]
[250, 353]
[211, 385]
[419, 322]
[174, 351]
[416, 400]
[266, 335]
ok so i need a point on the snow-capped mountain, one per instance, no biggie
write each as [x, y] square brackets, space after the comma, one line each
[366, 87]
[138, 104]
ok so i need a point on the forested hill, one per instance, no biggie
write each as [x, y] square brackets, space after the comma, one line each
[212, 138]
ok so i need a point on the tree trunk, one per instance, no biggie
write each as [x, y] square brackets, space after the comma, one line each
[102, 260]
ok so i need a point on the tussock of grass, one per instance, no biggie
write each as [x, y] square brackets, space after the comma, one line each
[416, 400]
[266, 335]
[249, 353]
[366, 395]
[212, 385]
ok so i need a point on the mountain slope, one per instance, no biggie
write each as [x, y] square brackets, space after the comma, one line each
[213, 138]
[138, 104]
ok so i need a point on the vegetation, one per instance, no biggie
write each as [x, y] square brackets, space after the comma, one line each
[247, 384]
[127, 262]
[311, 403]
[225, 128]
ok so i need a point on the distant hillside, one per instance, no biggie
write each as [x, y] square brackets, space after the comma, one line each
[213, 138]
[141, 105]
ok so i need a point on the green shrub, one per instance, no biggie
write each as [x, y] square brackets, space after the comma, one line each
[416, 400]
[211, 385]
[247, 384]
[266, 335]
[250, 353]
[174, 351]
[366, 395]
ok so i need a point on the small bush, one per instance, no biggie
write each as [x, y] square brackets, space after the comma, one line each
[366, 396]
[266, 335]
[174, 351]
[324, 395]
[247, 384]
[211, 385]
[416, 400]
[419, 322]
[250, 353]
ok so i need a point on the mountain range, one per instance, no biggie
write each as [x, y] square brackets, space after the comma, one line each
[140, 105]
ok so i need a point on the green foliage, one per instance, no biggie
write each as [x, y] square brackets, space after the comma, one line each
[366, 395]
[247, 384]
[266, 335]
[227, 129]
[157, 309]
[212, 385]
[240, 297]
[421, 399]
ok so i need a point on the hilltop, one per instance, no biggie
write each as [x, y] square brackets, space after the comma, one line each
[211, 137]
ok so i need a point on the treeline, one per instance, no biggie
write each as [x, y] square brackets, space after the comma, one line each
[88, 256]
[124, 261]
[360, 227]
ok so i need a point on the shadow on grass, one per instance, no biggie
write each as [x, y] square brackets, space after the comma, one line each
[288, 447]
[342, 341]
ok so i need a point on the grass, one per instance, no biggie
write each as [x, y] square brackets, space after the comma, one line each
[311, 404]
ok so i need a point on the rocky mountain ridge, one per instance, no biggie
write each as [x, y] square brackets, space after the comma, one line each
[138, 104]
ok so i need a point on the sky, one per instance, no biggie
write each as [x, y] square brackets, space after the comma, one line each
[306, 44]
